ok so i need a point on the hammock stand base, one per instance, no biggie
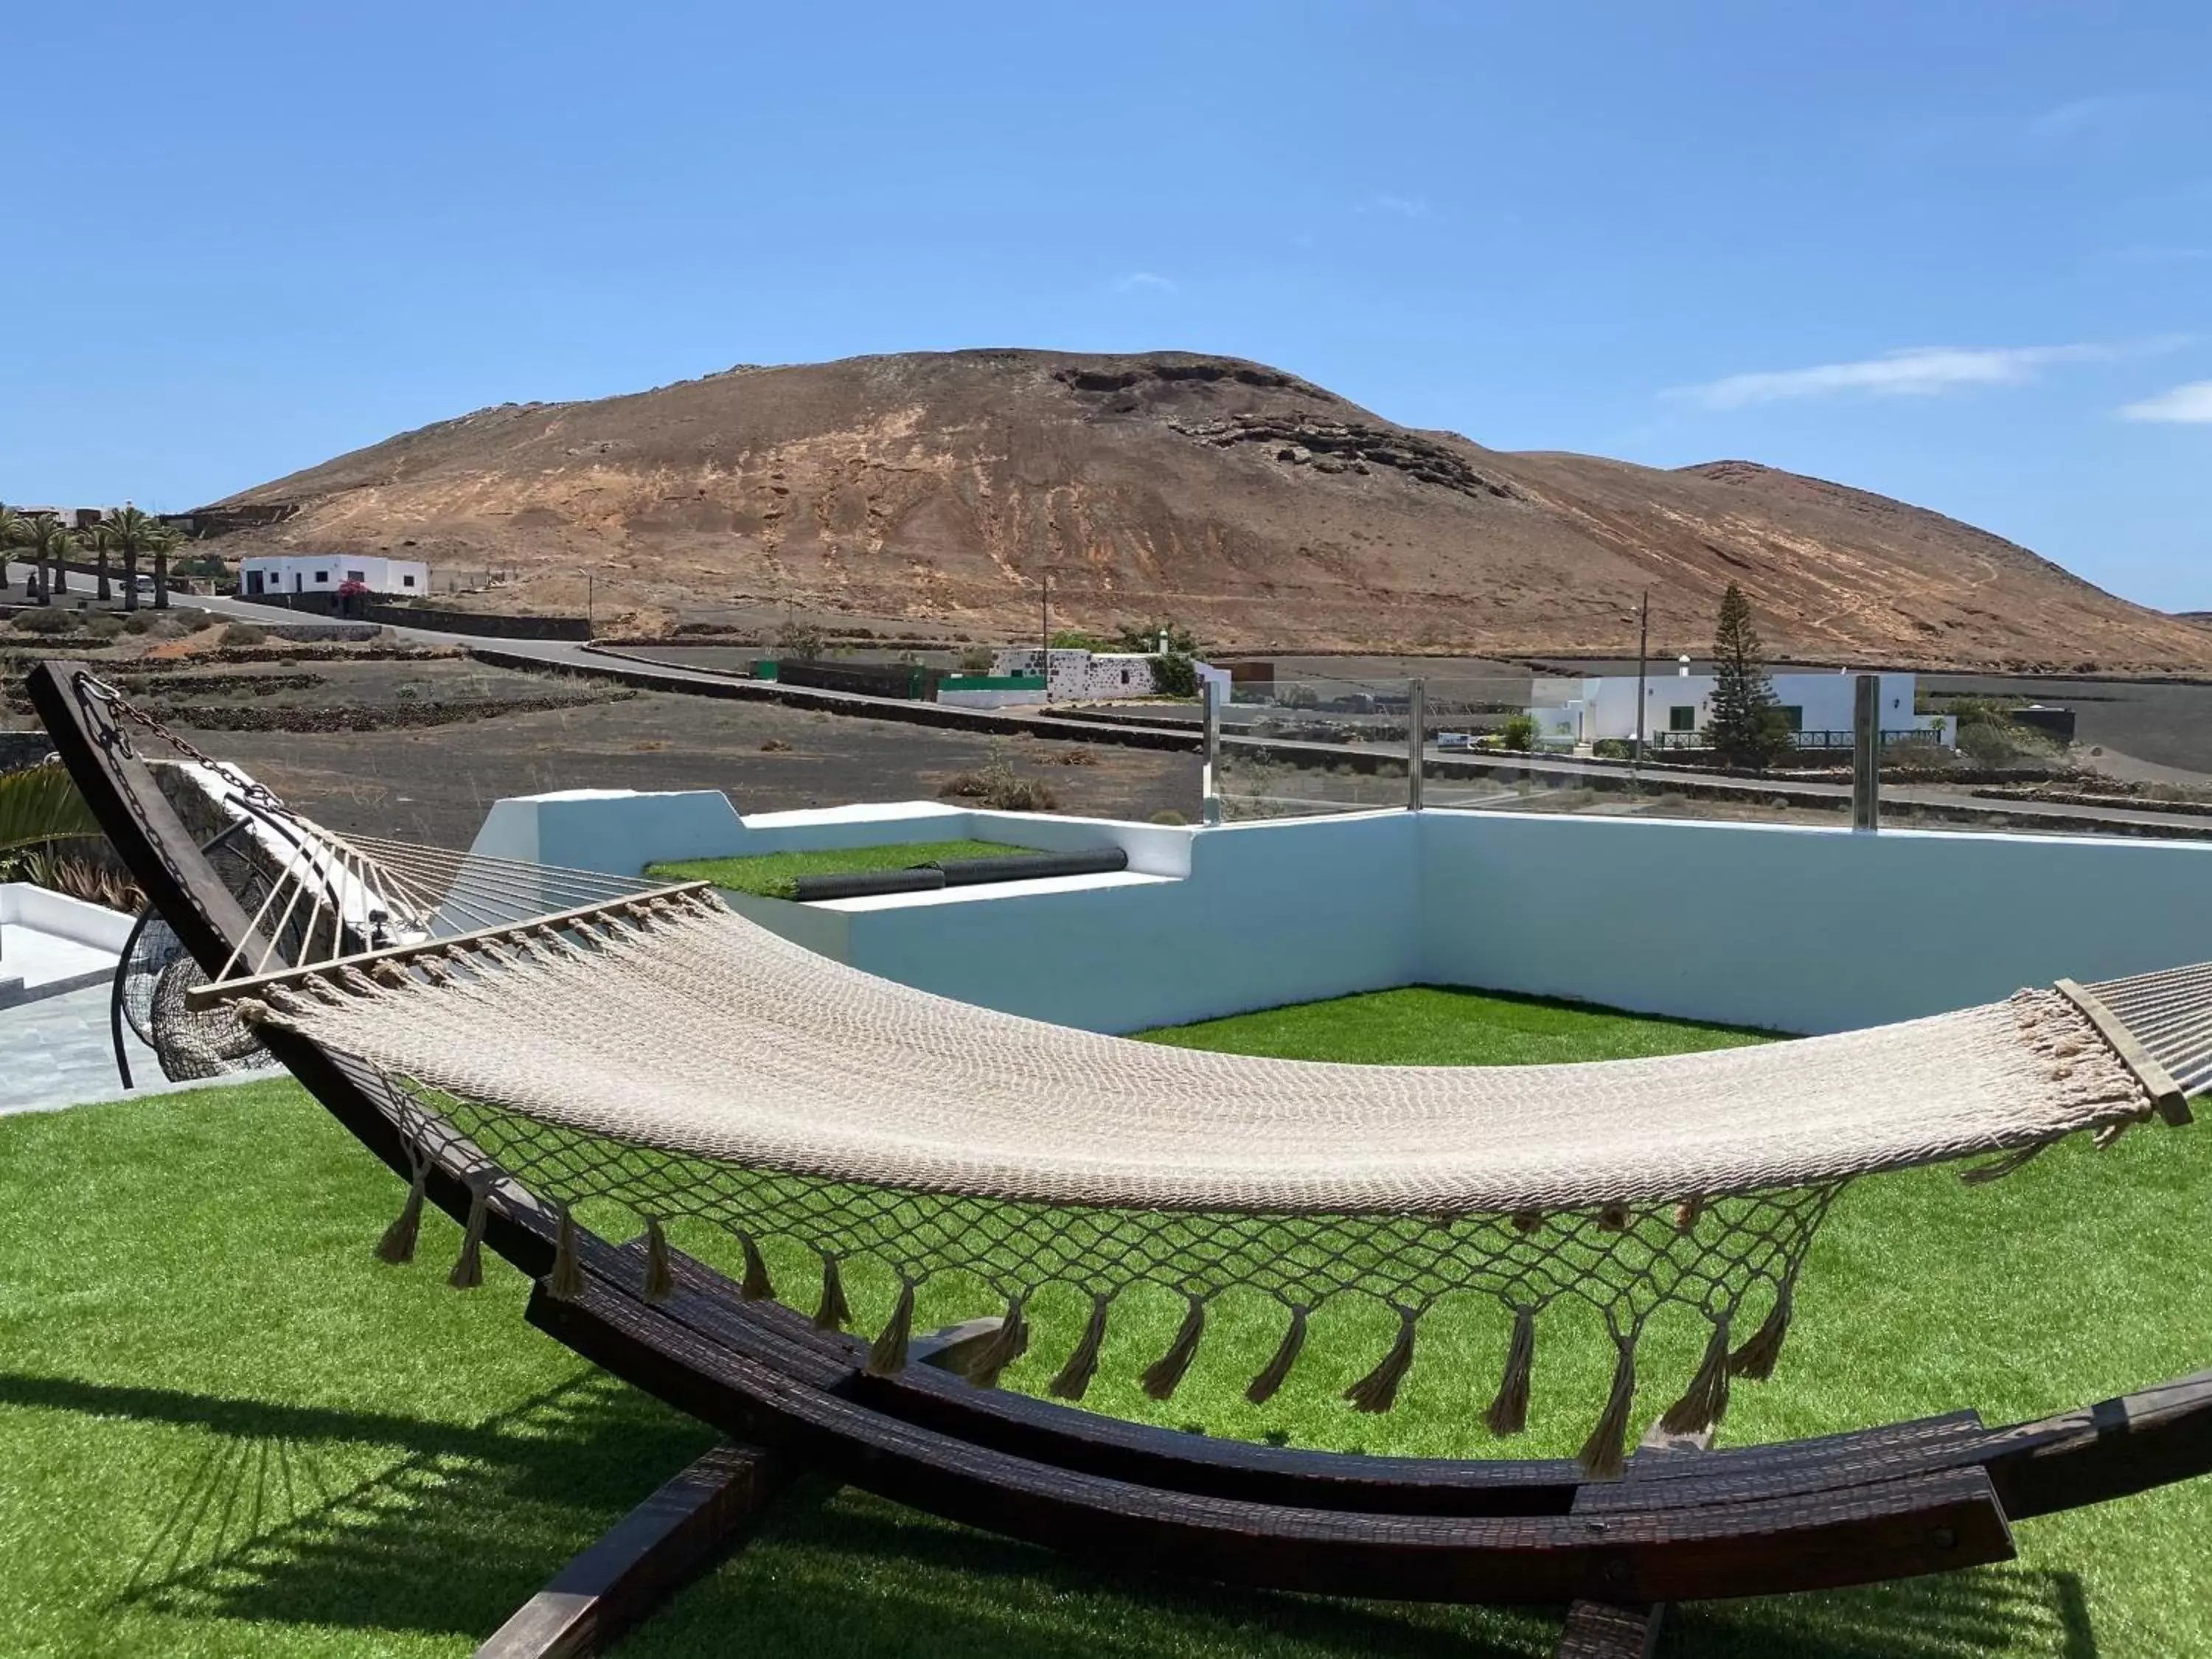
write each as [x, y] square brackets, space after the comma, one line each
[1913, 1497]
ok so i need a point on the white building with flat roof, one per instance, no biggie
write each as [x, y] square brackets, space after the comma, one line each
[325, 573]
[1679, 706]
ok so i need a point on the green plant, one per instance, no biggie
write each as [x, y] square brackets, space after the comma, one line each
[1074, 638]
[40, 804]
[1517, 733]
[801, 641]
[244, 634]
[43, 622]
[1175, 675]
[106, 627]
[1748, 728]
[1169, 816]
[975, 659]
[1158, 636]
[1613, 749]
[137, 622]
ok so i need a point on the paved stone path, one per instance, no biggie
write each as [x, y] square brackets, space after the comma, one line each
[55, 1052]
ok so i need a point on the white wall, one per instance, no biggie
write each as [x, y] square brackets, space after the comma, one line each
[24, 904]
[1795, 928]
[1791, 928]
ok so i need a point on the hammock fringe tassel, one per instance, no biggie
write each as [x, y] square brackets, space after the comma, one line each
[1755, 1359]
[567, 1278]
[1262, 1388]
[659, 1276]
[1508, 1412]
[1705, 1401]
[887, 1353]
[468, 1271]
[1165, 1372]
[1378, 1391]
[757, 1286]
[1605, 1454]
[1082, 1365]
[398, 1245]
[833, 1314]
[1007, 1344]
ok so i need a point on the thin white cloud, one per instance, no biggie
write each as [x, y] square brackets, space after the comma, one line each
[2080, 118]
[2160, 253]
[1145, 281]
[1406, 207]
[2188, 405]
[1918, 372]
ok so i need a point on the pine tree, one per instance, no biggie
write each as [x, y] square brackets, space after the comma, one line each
[1746, 727]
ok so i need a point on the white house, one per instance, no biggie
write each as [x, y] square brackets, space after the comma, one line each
[1819, 707]
[1076, 676]
[325, 573]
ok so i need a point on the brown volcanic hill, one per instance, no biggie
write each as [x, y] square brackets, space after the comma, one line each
[1261, 509]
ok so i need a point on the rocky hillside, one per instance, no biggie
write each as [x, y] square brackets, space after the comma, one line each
[1261, 509]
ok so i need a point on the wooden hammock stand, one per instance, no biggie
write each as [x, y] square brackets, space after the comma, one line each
[1929, 1495]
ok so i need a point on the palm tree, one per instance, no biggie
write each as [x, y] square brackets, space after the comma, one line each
[13, 527]
[51, 542]
[163, 541]
[129, 532]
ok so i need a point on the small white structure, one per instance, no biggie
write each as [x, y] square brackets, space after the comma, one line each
[51, 943]
[325, 573]
[1819, 707]
[1076, 676]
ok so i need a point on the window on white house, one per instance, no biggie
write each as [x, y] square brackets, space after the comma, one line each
[407, 581]
[1682, 717]
[356, 575]
[322, 576]
[1793, 717]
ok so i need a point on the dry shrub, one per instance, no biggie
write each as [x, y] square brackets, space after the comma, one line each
[1076, 756]
[1001, 788]
[774, 746]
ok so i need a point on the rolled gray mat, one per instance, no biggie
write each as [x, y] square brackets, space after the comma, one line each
[867, 883]
[1029, 867]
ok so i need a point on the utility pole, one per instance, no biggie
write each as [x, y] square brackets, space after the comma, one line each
[1044, 633]
[590, 611]
[1642, 662]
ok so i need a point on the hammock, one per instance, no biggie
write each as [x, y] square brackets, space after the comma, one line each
[651, 1049]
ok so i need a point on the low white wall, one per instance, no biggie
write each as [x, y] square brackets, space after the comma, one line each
[1798, 929]
[1268, 913]
[24, 904]
[621, 831]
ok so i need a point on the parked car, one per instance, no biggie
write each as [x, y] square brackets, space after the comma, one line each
[1455, 739]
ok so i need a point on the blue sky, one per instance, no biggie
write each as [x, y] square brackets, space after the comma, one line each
[1959, 253]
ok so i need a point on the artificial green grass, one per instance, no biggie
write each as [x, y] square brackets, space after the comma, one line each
[773, 875]
[226, 1430]
[1442, 1025]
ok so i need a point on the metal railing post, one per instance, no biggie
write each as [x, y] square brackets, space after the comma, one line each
[1866, 754]
[1417, 724]
[1209, 702]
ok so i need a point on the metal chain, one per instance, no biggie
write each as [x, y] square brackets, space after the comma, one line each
[119, 707]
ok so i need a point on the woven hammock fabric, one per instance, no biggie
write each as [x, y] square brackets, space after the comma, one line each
[665, 1055]
[710, 1035]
